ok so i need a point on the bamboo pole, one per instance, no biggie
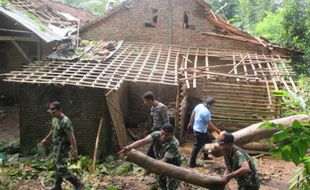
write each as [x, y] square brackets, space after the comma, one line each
[195, 66]
[97, 143]
[185, 72]
[236, 65]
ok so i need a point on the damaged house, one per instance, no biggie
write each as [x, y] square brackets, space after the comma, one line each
[29, 30]
[179, 49]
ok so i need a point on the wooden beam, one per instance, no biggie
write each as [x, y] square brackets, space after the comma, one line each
[236, 65]
[117, 118]
[97, 144]
[185, 67]
[183, 110]
[16, 31]
[177, 125]
[207, 62]
[21, 51]
[231, 37]
[290, 78]
[155, 64]
[18, 38]
[195, 66]
[267, 83]
[244, 66]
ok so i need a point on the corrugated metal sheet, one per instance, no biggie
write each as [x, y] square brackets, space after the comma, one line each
[47, 33]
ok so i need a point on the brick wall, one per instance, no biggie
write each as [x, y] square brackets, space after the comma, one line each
[137, 111]
[84, 106]
[128, 24]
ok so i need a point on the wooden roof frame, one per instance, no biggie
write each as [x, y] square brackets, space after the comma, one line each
[134, 62]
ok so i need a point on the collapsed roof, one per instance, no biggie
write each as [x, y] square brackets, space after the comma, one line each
[107, 64]
[49, 20]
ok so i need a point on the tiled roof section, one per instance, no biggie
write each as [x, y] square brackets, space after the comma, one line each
[88, 51]
[50, 21]
[49, 12]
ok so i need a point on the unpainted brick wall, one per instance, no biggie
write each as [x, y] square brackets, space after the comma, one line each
[128, 24]
[137, 111]
[84, 106]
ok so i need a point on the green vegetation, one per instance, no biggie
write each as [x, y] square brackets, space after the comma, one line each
[40, 169]
[293, 142]
[285, 22]
[97, 7]
[36, 19]
[4, 2]
[292, 145]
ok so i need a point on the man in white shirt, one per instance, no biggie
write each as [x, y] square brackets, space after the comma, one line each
[201, 123]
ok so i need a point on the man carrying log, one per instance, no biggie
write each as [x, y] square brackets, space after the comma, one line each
[239, 164]
[166, 149]
[63, 140]
[201, 123]
[159, 113]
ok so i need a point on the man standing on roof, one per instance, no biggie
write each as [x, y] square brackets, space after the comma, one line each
[159, 113]
[63, 140]
[201, 123]
[239, 164]
[166, 148]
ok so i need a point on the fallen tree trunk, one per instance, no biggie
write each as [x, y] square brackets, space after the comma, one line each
[162, 168]
[258, 146]
[253, 133]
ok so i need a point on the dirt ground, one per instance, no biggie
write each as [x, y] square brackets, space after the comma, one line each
[274, 173]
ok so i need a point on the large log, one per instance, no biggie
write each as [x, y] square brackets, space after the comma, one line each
[258, 146]
[253, 133]
[162, 168]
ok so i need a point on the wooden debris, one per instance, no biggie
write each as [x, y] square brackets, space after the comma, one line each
[97, 144]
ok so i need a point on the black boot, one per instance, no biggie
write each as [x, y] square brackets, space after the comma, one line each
[76, 182]
[57, 185]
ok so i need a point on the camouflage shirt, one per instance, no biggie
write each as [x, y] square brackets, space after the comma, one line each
[168, 149]
[235, 161]
[160, 116]
[61, 128]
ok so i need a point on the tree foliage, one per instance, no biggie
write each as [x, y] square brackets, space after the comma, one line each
[96, 7]
[292, 145]
[293, 142]
[285, 22]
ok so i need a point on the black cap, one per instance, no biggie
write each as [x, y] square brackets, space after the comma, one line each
[54, 106]
[167, 127]
[226, 138]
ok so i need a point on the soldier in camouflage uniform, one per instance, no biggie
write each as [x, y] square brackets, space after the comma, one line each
[62, 140]
[159, 113]
[166, 148]
[239, 164]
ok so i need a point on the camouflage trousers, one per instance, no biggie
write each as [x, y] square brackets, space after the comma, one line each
[255, 187]
[61, 162]
[168, 183]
